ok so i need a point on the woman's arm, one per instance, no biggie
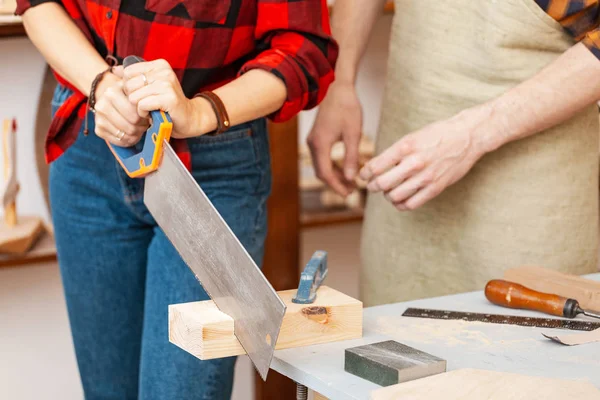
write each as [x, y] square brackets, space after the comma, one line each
[72, 56]
[255, 94]
[64, 46]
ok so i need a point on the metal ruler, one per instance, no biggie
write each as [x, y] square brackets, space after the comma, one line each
[571, 324]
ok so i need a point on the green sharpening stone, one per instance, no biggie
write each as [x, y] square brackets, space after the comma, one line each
[389, 363]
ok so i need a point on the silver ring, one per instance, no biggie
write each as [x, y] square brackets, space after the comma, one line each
[145, 79]
[120, 134]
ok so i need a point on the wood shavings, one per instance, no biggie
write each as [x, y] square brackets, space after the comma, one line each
[576, 338]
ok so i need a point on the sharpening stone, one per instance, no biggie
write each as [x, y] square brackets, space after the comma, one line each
[389, 363]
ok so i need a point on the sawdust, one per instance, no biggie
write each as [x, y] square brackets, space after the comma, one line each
[449, 333]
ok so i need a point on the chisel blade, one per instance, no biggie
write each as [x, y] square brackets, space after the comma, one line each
[216, 257]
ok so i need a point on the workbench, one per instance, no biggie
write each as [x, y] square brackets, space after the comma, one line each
[506, 348]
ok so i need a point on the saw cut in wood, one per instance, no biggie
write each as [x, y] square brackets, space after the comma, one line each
[17, 234]
[314, 314]
[205, 332]
[474, 384]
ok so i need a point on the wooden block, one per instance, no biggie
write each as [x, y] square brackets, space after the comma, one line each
[585, 291]
[43, 250]
[19, 238]
[388, 363]
[318, 396]
[473, 384]
[205, 332]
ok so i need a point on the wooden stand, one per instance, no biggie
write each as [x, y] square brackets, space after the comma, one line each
[205, 332]
[17, 235]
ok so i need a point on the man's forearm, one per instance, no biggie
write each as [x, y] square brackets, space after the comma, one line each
[351, 23]
[63, 45]
[555, 94]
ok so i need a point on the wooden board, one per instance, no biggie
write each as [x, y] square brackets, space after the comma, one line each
[473, 384]
[585, 291]
[43, 250]
[205, 332]
[319, 396]
[18, 239]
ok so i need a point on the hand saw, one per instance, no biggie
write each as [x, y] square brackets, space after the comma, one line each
[204, 240]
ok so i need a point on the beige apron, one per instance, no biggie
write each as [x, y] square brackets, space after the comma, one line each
[532, 201]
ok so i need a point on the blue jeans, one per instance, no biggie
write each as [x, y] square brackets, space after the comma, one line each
[120, 272]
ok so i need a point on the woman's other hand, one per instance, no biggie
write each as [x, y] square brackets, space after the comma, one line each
[153, 85]
[422, 164]
[117, 120]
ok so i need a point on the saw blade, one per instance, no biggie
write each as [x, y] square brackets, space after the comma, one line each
[216, 257]
[537, 322]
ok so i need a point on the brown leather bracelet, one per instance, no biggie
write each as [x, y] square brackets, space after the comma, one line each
[217, 105]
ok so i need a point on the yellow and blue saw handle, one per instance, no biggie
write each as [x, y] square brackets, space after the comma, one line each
[144, 158]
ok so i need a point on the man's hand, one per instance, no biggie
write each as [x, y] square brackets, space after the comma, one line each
[116, 119]
[339, 119]
[422, 164]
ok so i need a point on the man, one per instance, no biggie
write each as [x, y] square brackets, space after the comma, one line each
[487, 146]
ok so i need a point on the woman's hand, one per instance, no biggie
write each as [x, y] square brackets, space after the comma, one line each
[422, 164]
[153, 85]
[117, 120]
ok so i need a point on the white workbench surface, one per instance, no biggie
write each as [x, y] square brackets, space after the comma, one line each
[507, 348]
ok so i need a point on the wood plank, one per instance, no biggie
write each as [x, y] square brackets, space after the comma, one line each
[42, 251]
[318, 396]
[585, 291]
[205, 332]
[472, 384]
[20, 238]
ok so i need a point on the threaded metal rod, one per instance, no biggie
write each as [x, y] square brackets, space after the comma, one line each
[301, 392]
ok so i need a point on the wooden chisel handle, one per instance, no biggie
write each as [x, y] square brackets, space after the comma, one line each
[513, 295]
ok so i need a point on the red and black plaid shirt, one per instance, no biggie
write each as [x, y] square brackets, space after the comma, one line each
[208, 43]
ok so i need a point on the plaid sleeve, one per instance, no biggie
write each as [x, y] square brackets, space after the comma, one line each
[592, 42]
[24, 5]
[579, 18]
[295, 38]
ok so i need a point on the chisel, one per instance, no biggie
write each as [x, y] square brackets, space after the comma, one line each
[513, 295]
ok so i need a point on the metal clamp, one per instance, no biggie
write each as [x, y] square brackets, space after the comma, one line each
[311, 278]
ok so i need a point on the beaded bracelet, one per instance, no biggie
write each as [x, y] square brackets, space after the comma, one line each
[91, 101]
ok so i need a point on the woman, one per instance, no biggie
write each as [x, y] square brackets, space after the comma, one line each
[245, 59]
